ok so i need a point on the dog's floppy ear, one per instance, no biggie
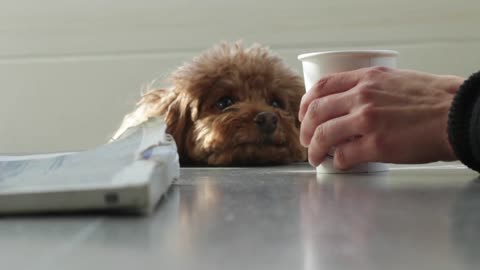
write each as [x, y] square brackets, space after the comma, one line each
[178, 117]
[170, 105]
[296, 89]
[294, 104]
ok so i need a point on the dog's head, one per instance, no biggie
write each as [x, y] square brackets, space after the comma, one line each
[231, 106]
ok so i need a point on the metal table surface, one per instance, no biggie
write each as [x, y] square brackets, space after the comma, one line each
[414, 217]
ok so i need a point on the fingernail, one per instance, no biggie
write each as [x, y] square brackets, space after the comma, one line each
[316, 163]
[303, 143]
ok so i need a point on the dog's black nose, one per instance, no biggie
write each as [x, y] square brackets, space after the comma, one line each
[266, 122]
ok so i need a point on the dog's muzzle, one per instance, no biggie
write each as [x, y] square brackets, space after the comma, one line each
[266, 122]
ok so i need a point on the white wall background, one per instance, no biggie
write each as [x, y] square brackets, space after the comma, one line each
[70, 69]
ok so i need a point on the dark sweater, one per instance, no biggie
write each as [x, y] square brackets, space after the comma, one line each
[464, 123]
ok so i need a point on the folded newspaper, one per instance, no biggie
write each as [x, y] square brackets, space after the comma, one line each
[129, 174]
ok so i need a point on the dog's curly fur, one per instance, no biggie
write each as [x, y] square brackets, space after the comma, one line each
[212, 108]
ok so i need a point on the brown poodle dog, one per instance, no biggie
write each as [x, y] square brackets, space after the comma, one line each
[229, 106]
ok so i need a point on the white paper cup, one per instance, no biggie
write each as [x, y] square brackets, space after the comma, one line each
[318, 64]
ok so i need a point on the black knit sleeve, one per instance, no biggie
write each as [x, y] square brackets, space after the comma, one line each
[464, 123]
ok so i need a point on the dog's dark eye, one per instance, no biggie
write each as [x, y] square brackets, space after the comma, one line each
[276, 103]
[224, 102]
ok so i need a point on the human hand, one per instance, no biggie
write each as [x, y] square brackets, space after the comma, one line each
[378, 114]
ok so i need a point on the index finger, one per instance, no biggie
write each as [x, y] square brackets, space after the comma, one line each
[329, 84]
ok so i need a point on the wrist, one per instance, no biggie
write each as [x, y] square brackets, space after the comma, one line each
[453, 83]
[447, 151]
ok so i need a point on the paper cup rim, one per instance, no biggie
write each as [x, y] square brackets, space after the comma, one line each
[385, 53]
